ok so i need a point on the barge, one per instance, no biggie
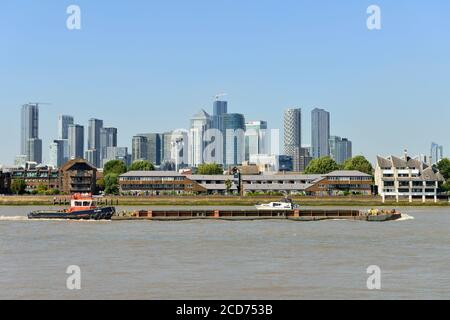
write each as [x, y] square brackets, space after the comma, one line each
[255, 214]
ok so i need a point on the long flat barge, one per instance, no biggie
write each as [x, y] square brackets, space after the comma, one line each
[254, 214]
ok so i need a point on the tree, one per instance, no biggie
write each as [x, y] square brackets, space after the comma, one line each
[142, 165]
[444, 168]
[322, 165]
[228, 185]
[209, 169]
[114, 166]
[358, 163]
[18, 186]
[112, 183]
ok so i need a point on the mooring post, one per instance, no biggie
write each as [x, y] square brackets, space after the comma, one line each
[216, 214]
[297, 213]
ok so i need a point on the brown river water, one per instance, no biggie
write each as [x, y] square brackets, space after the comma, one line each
[225, 260]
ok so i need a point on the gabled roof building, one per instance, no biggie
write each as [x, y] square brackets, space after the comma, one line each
[406, 177]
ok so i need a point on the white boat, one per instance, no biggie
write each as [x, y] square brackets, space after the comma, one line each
[275, 206]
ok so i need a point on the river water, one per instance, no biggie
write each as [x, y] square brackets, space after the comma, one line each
[225, 260]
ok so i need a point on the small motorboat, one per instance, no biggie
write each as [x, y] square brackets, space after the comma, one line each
[285, 204]
[82, 207]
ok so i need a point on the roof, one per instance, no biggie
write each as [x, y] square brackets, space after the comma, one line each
[198, 177]
[151, 174]
[279, 177]
[202, 114]
[73, 162]
[347, 173]
[278, 187]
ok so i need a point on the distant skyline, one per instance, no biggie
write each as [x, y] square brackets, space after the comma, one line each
[150, 66]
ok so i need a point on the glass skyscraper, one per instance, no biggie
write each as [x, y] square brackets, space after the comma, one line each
[234, 126]
[340, 149]
[76, 141]
[30, 130]
[255, 139]
[320, 133]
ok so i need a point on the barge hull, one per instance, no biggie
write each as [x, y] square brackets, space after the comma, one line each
[250, 215]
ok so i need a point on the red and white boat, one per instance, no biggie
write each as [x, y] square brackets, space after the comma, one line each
[82, 207]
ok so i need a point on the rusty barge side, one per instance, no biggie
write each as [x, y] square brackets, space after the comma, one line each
[253, 214]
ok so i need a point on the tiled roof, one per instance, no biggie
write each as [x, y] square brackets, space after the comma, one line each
[347, 173]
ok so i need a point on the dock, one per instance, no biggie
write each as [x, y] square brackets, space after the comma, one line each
[254, 214]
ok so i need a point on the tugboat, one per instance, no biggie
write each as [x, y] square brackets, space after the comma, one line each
[82, 207]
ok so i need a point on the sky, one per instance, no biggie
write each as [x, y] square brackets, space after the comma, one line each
[148, 66]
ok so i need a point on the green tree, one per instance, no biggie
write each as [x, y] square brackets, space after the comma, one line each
[18, 186]
[209, 169]
[228, 185]
[42, 189]
[358, 163]
[322, 165]
[444, 168]
[112, 183]
[114, 166]
[142, 165]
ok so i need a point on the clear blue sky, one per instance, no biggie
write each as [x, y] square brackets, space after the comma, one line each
[150, 65]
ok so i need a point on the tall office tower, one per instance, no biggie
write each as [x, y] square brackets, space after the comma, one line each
[340, 149]
[200, 123]
[56, 156]
[220, 108]
[117, 153]
[292, 131]
[76, 141]
[34, 149]
[94, 129]
[320, 133]
[234, 126]
[301, 159]
[108, 138]
[94, 139]
[30, 127]
[166, 147]
[139, 148]
[63, 126]
[154, 146]
[437, 153]
[256, 139]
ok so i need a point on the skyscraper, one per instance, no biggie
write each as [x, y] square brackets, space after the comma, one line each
[320, 133]
[234, 126]
[76, 141]
[255, 139]
[63, 126]
[154, 147]
[108, 138]
[220, 108]
[292, 131]
[117, 153]
[437, 153]
[30, 129]
[34, 150]
[57, 157]
[340, 149]
[94, 138]
[200, 123]
[139, 148]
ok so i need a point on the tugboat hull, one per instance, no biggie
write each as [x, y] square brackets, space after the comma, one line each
[92, 214]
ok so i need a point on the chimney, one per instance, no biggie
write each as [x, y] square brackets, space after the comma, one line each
[406, 155]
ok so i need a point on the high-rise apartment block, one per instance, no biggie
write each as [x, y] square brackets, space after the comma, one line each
[320, 133]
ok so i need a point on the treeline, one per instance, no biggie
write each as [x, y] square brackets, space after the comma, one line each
[109, 184]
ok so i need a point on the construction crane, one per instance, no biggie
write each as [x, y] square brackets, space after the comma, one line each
[220, 95]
